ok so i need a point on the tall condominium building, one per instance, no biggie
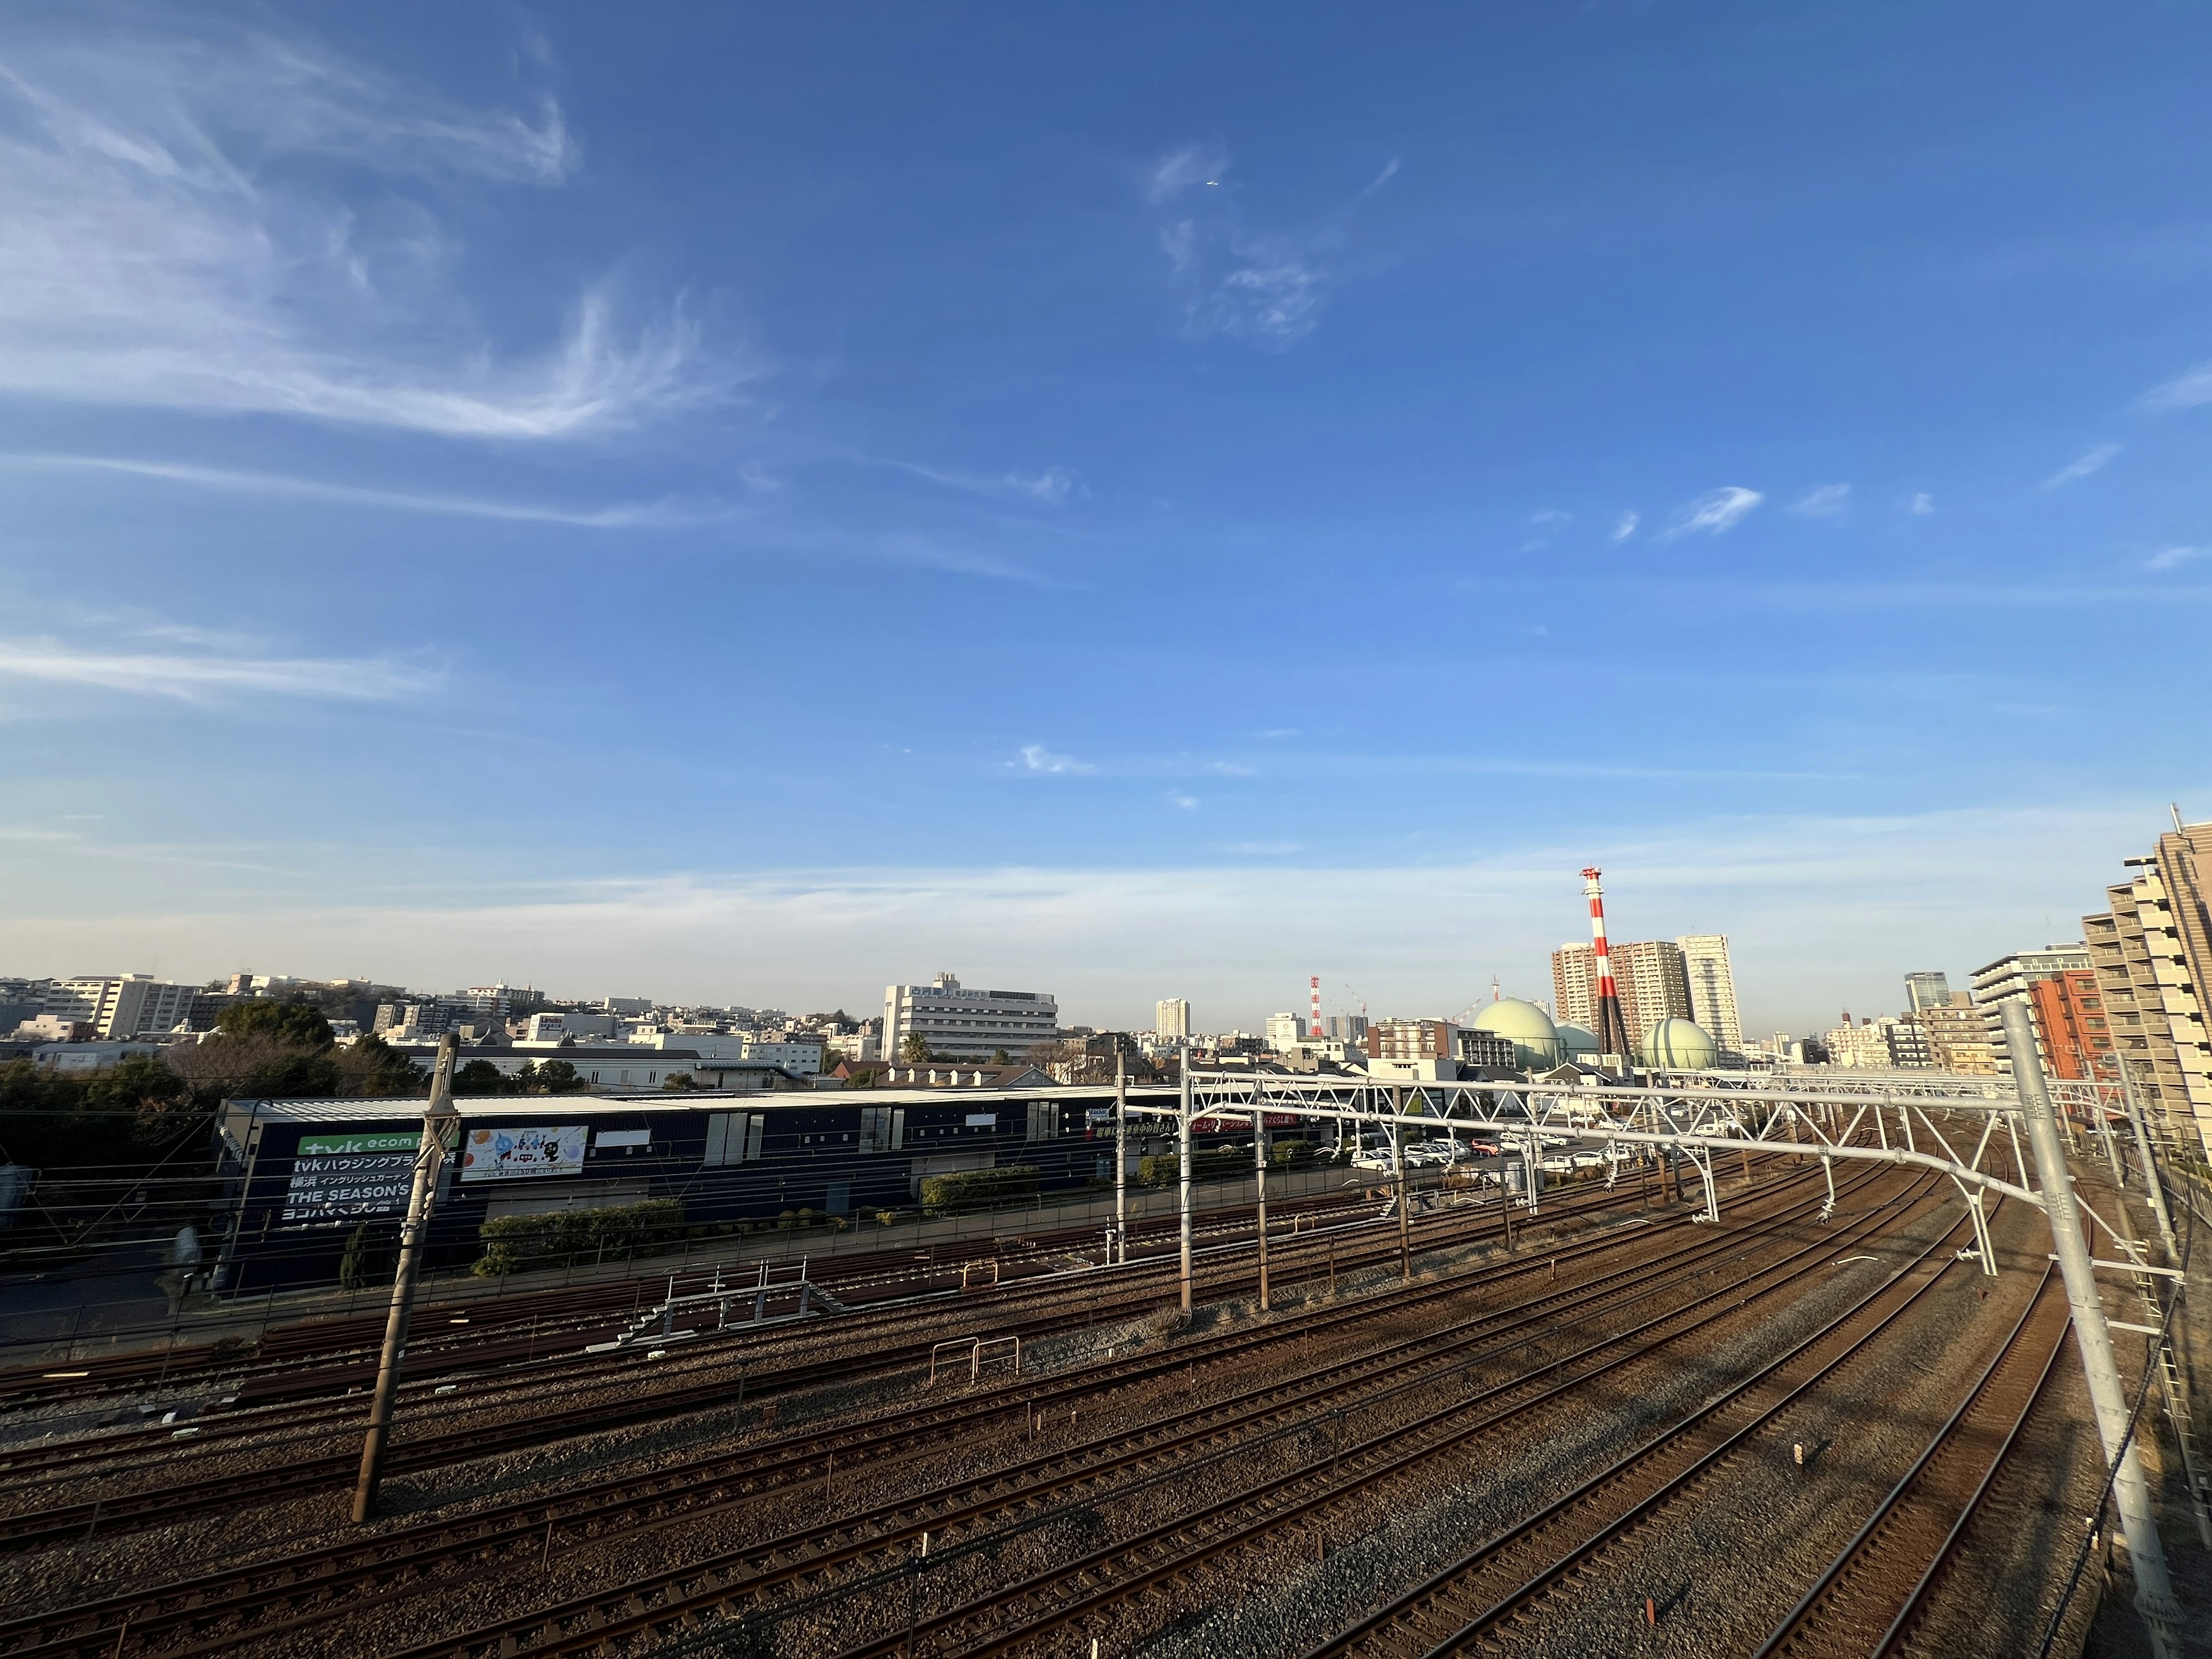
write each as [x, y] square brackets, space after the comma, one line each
[1886, 1043]
[2071, 1025]
[1346, 1028]
[1927, 990]
[123, 1005]
[966, 1024]
[2007, 980]
[1171, 1017]
[2152, 952]
[1712, 989]
[1648, 973]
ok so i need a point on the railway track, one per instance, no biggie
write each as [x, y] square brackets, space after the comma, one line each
[1131, 1290]
[1864, 1605]
[705, 1593]
[277, 1599]
[1480, 1598]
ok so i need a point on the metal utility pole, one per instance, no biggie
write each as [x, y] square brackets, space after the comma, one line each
[1120, 1156]
[1260, 1170]
[422, 1197]
[1398, 1163]
[2152, 1183]
[1184, 1182]
[2093, 1338]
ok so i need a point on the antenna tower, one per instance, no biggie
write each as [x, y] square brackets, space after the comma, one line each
[1611, 1027]
[1316, 1031]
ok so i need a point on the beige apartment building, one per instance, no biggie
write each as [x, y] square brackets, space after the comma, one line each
[1650, 974]
[1958, 1037]
[2152, 952]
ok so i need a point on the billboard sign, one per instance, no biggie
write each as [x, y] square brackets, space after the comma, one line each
[337, 1179]
[513, 1154]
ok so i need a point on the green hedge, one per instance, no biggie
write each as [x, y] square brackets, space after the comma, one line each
[978, 1189]
[560, 1238]
[1207, 1164]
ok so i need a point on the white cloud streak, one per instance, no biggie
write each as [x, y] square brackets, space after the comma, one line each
[2091, 459]
[630, 515]
[1193, 166]
[1822, 502]
[1036, 757]
[2173, 558]
[162, 244]
[1920, 504]
[1624, 526]
[1714, 513]
[201, 680]
[1389, 172]
[1051, 487]
[2186, 389]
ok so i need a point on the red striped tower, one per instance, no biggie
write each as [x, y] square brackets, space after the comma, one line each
[1611, 1027]
[1316, 1007]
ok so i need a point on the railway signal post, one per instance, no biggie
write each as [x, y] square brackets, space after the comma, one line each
[437, 1117]
[1184, 1182]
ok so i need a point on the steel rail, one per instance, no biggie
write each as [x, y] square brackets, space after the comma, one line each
[827, 1545]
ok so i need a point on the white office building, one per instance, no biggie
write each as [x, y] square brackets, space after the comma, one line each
[120, 1006]
[967, 1025]
[1172, 1018]
[1285, 1031]
[1712, 989]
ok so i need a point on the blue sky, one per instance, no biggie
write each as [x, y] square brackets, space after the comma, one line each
[750, 503]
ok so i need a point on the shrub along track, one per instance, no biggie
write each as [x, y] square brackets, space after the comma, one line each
[851, 1571]
[874, 1344]
[310, 1587]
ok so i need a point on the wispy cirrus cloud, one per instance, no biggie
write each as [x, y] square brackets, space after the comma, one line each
[2173, 558]
[204, 679]
[1713, 513]
[1257, 285]
[1037, 758]
[1625, 525]
[628, 515]
[2091, 459]
[2186, 389]
[167, 240]
[1051, 487]
[1919, 504]
[1822, 502]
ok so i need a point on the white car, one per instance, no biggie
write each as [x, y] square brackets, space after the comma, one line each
[1372, 1161]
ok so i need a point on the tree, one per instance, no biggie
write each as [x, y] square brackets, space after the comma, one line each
[480, 1076]
[914, 1051]
[678, 1082]
[560, 1077]
[300, 1024]
[998, 1056]
[370, 1067]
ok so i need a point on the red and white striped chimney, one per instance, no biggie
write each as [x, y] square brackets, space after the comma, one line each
[1612, 1024]
[1317, 1006]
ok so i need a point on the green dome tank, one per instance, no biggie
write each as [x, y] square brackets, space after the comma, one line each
[1679, 1045]
[1535, 1040]
[1578, 1042]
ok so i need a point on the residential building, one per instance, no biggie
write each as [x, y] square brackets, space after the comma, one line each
[1651, 976]
[412, 1022]
[1412, 1039]
[1929, 989]
[2007, 980]
[122, 1006]
[1712, 989]
[2071, 1025]
[967, 1025]
[1346, 1028]
[1484, 1049]
[1957, 1039]
[798, 1055]
[2152, 951]
[1886, 1043]
[1172, 1018]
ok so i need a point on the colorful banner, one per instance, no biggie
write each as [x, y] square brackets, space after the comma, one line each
[512, 1154]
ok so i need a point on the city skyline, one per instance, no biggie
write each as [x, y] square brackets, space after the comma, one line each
[616, 500]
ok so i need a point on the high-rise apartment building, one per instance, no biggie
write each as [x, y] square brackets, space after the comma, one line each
[118, 1006]
[1650, 975]
[2071, 1025]
[1171, 1017]
[964, 1025]
[2007, 980]
[1927, 990]
[2152, 952]
[1712, 989]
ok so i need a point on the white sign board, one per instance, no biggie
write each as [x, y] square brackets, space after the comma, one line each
[513, 1154]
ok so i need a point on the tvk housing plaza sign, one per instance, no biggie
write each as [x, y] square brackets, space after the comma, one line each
[341, 1178]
